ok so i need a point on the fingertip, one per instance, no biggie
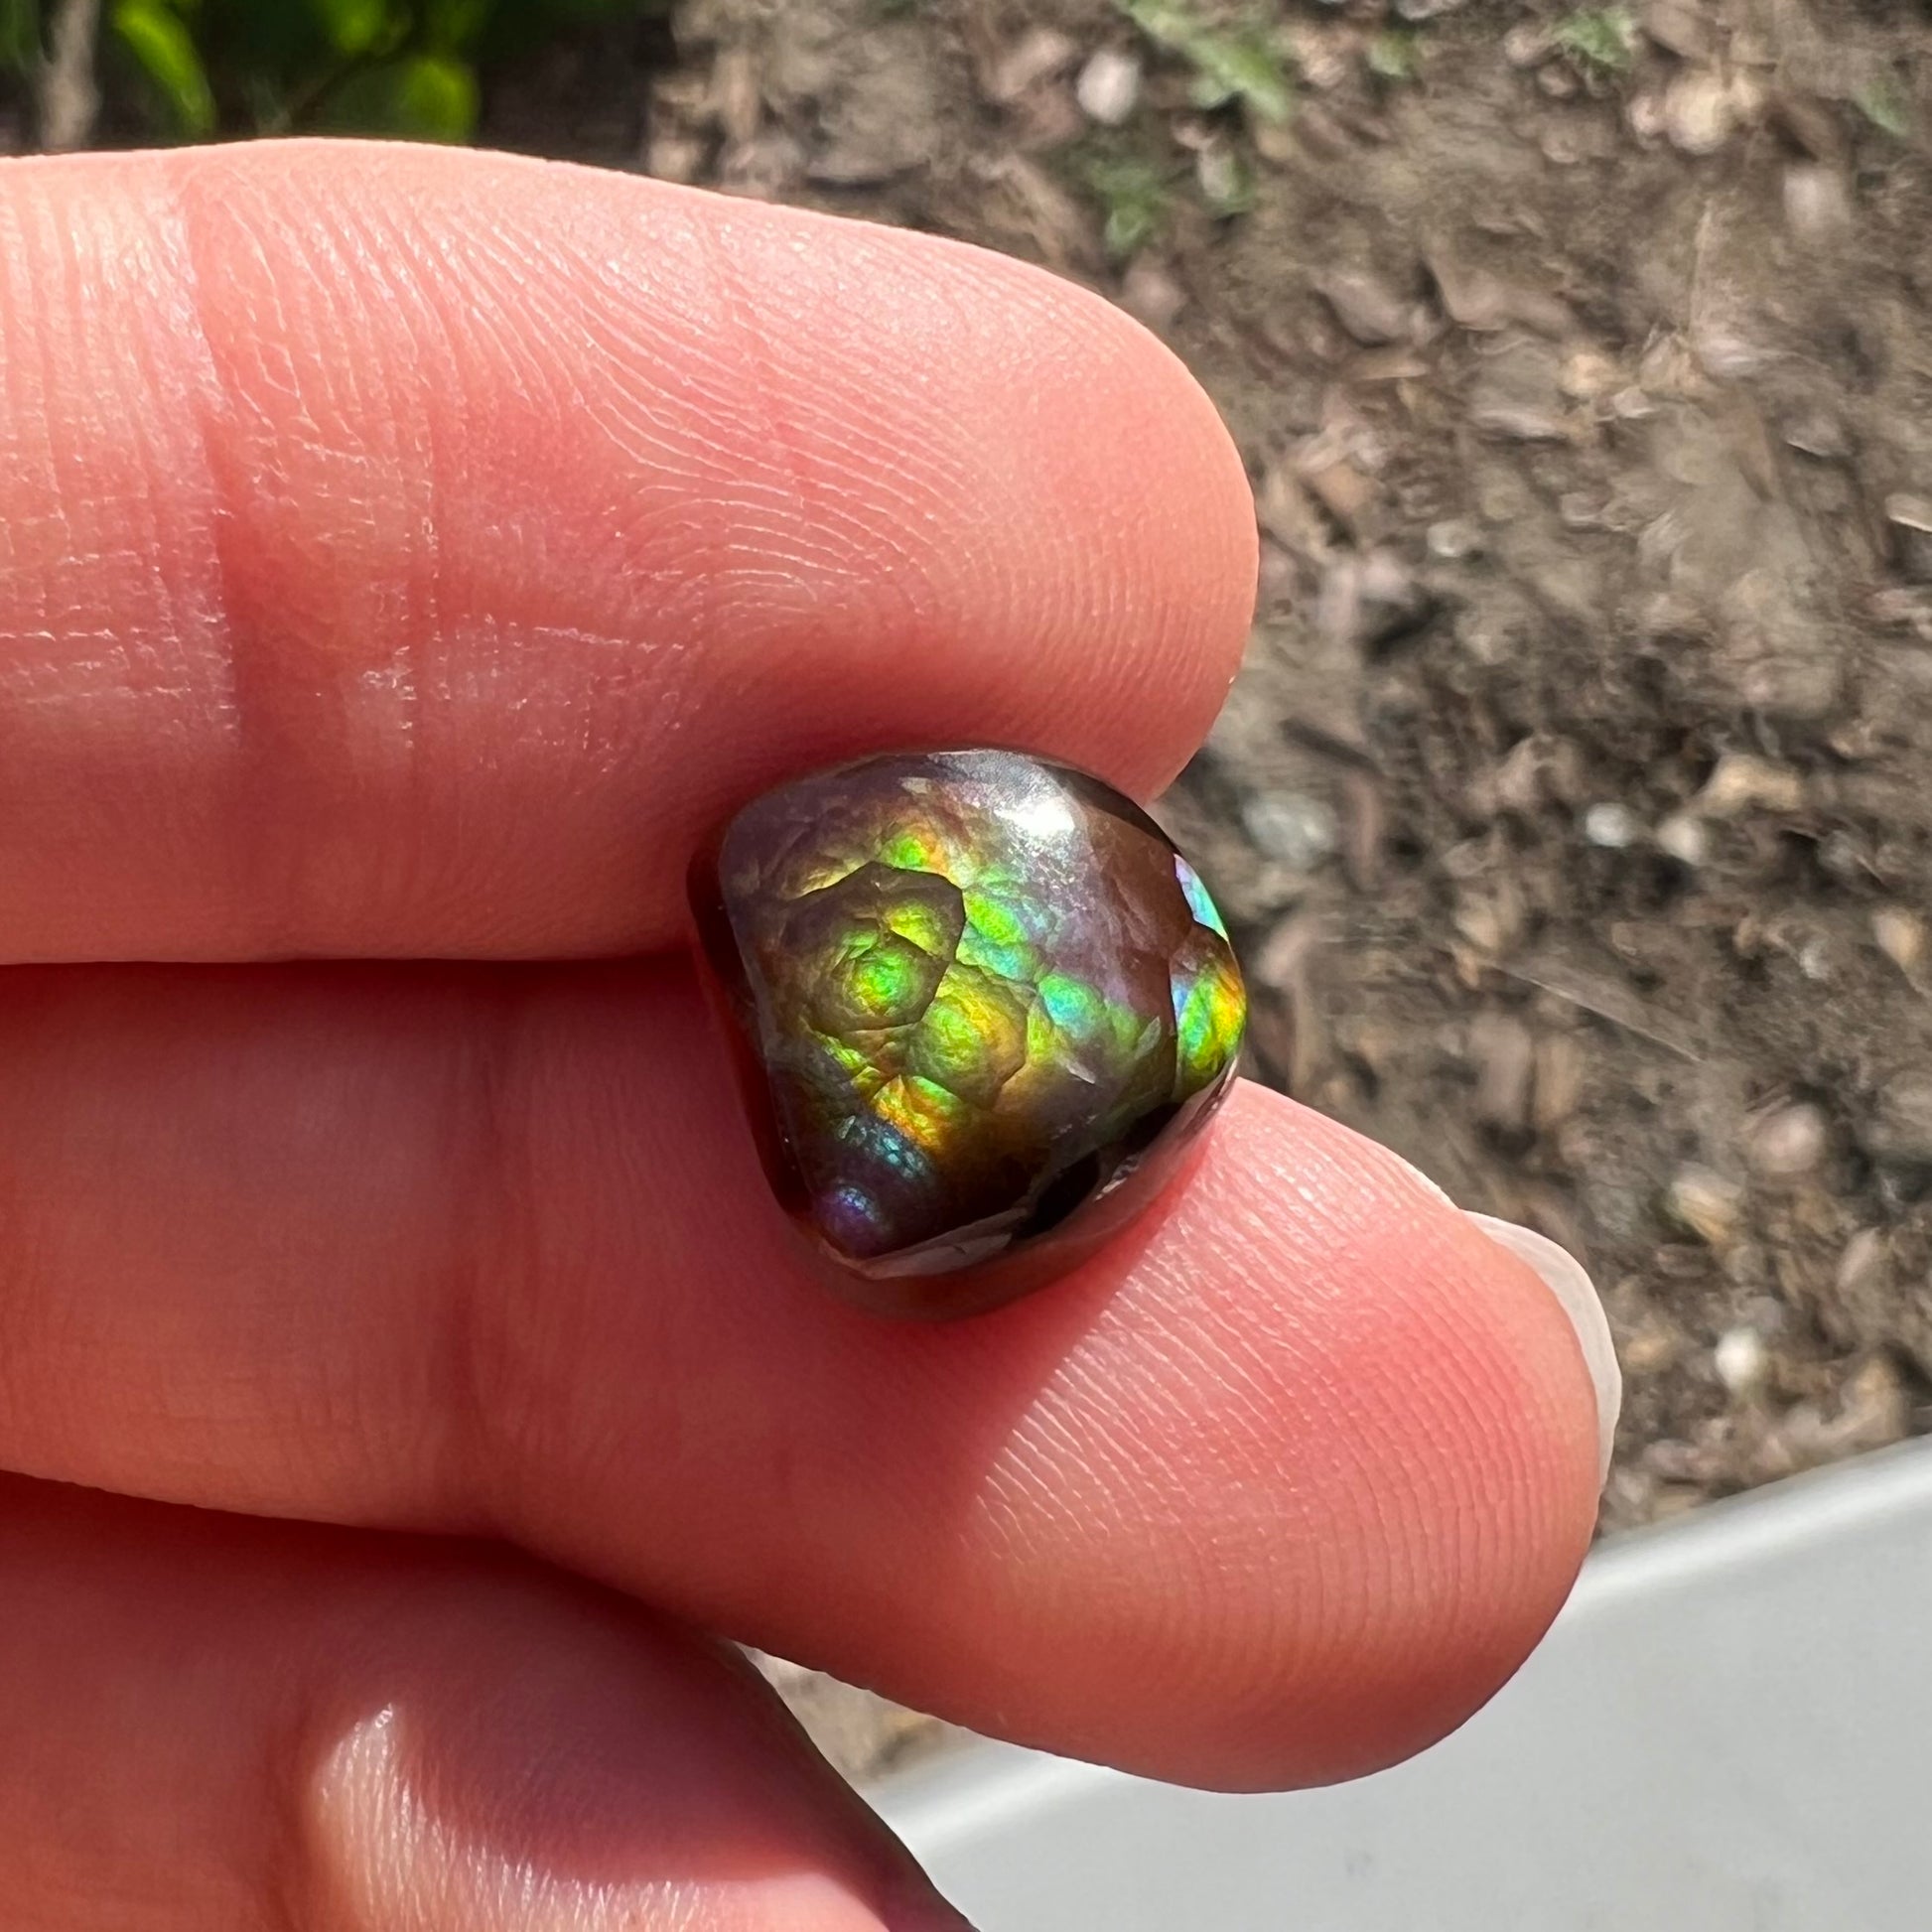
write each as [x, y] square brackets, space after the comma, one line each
[1373, 1449]
[1101, 520]
[1165, 481]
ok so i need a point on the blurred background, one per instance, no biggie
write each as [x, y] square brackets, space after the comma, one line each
[1575, 808]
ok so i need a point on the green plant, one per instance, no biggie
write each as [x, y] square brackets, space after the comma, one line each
[199, 67]
[1883, 105]
[1135, 196]
[20, 34]
[1395, 54]
[1600, 40]
[163, 48]
[1239, 59]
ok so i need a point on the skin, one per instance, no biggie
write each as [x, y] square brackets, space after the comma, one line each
[404, 558]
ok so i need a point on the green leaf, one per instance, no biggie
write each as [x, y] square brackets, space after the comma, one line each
[1230, 63]
[1134, 194]
[1885, 107]
[1168, 22]
[164, 51]
[423, 96]
[1600, 37]
[1129, 228]
[19, 34]
[455, 26]
[1395, 54]
[354, 27]
[1245, 69]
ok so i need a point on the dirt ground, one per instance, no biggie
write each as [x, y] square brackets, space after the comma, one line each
[1575, 808]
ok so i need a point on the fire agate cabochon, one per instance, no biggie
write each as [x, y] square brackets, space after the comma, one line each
[985, 998]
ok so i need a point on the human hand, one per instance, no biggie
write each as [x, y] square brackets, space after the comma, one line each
[405, 556]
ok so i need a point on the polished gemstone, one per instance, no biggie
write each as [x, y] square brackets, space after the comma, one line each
[983, 1004]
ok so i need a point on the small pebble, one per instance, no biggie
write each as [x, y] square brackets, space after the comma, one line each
[1817, 202]
[1563, 146]
[1587, 373]
[1527, 42]
[1910, 517]
[1109, 87]
[1221, 174]
[1863, 1264]
[1489, 925]
[1698, 112]
[1706, 1204]
[1454, 540]
[1562, 1068]
[1726, 353]
[1645, 113]
[1741, 1360]
[1845, 856]
[1613, 827]
[1900, 936]
[1150, 295]
[1679, 28]
[1684, 837]
[1038, 55]
[1741, 782]
[1789, 1141]
[1371, 311]
[1902, 1126]
[1818, 432]
[1908, 511]
[1287, 826]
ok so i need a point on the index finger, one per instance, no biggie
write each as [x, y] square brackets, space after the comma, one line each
[406, 552]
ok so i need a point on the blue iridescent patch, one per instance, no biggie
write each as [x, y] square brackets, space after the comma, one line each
[1199, 903]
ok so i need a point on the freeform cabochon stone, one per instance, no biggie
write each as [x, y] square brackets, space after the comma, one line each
[981, 1006]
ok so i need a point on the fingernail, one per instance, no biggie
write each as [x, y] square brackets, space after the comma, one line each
[1563, 1276]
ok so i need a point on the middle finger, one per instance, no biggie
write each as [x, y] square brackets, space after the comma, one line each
[1305, 1459]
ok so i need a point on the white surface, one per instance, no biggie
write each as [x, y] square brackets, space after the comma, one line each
[1730, 1730]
